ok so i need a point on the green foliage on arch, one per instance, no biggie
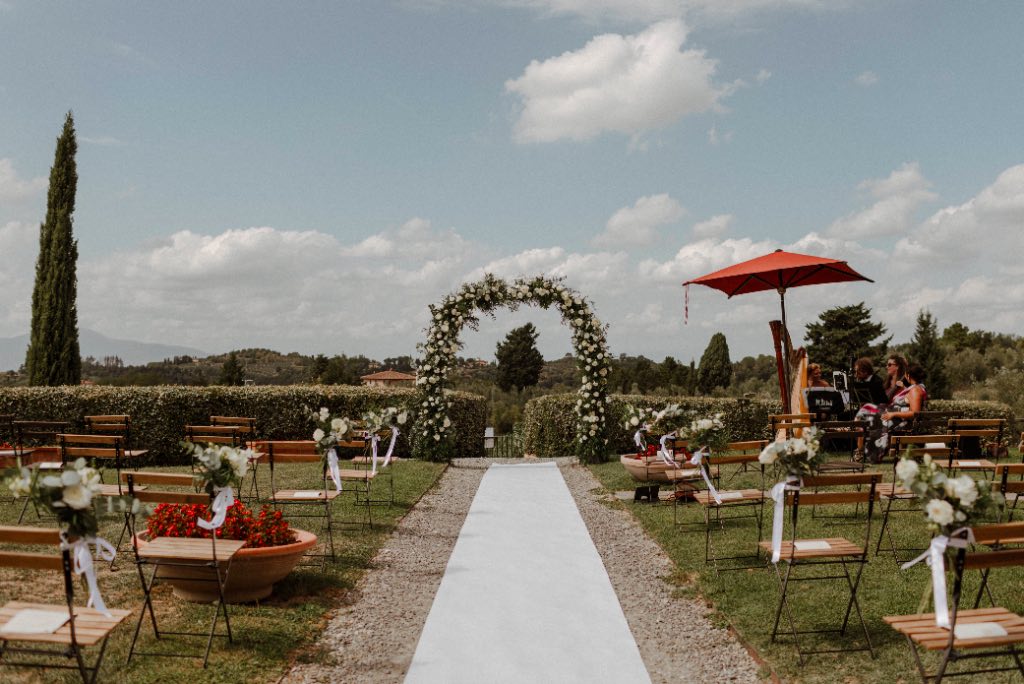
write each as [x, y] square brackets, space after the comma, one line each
[432, 436]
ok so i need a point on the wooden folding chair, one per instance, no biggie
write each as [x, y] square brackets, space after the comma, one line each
[748, 502]
[97, 448]
[843, 436]
[82, 628]
[931, 422]
[685, 478]
[942, 449]
[228, 435]
[800, 552]
[1010, 482]
[978, 437]
[111, 424]
[35, 444]
[383, 470]
[280, 452]
[973, 633]
[786, 425]
[202, 560]
[245, 435]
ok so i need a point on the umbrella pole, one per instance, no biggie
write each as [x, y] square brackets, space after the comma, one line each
[787, 351]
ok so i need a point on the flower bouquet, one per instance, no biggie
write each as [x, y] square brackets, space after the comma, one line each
[68, 496]
[640, 421]
[951, 503]
[707, 433]
[951, 506]
[378, 423]
[329, 429]
[218, 467]
[797, 456]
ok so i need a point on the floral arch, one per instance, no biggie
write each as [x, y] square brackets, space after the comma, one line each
[431, 436]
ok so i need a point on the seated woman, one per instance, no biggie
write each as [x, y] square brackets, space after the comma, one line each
[896, 416]
[895, 373]
[814, 378]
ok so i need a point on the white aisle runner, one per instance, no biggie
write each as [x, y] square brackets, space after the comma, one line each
[525, 597]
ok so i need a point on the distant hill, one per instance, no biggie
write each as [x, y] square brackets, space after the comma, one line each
[92, 343]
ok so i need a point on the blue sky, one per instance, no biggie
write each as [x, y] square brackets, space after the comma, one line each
[310, 176]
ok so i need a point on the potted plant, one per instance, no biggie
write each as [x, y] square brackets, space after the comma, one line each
[272, 549]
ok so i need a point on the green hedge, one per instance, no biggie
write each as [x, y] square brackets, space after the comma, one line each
[549, 421]
[160, 413]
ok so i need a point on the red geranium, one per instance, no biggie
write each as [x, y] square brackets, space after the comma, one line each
[269, 528]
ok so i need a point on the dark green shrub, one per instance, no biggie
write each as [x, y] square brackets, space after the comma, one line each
[160, 413]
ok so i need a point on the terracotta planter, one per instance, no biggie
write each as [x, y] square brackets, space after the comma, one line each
[646, 469]
[252, 575]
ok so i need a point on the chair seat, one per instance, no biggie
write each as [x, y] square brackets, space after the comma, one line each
[973, 464]
[112, 490]
[675, 474]
[837, 547]
[890, 490]
[294, 495]
[369, 459]
[729, 497]
[356, 474]
[187, 549]
[91, 626]
[841, 465]
[923, 631]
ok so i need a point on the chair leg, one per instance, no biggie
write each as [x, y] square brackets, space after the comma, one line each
[784, 603]
[854, 584]
[147, 605]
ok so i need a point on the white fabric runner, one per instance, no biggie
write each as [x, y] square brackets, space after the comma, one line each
[525, 597]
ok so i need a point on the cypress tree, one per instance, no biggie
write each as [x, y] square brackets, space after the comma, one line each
[926, 351]
[53, 356]
[715, 368]
[232, 373]
[519, 360]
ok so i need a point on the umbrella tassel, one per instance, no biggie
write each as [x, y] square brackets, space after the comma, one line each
[686, 303]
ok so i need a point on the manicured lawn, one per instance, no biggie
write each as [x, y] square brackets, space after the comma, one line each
[747, 599]
[269, 635]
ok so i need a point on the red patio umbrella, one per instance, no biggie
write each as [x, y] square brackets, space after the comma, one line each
[778, 271]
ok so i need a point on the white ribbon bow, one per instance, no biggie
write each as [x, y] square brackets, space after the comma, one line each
[83, 565]
[934, 556]
[391, 448]
[374, 438]
[697, 457]
[221, 503]
[664, 453]
[332, 467]
[778, 493]
[638, 437]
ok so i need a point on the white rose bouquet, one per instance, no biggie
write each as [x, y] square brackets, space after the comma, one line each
[707, 432]
[387, 418]
[798, 456]
[640, 421]
[68, 495]
[329, 429]
[950, 503]
[219, 466]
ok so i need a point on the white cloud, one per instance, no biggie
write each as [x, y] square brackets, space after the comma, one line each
[638, 225]
[15, 189]
[616, 83]
[101, 141]
[653, 10]
[897, 197]
[713, 227]
[763, 75]
[988, 224]
[699, 257]
[866, 79]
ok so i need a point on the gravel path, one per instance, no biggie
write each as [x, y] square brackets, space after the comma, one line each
[372, 639]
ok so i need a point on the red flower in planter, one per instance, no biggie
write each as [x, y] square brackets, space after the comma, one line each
[269, 528]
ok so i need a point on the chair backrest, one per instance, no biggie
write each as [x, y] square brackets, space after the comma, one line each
[809, 495]
[1009, 479]
[246, 426]
[104, 447]
[288, 451]
[986, 535]
[231, 435]
[932, 421]
[158, 496]
[31, 560]
[119, 424]
[739, 452]
[788, 423]
[990, 430]
[854, 432]
[37, 432]
[941, 447]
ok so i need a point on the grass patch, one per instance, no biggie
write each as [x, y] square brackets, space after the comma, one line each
[269, 635]
[747, 599]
